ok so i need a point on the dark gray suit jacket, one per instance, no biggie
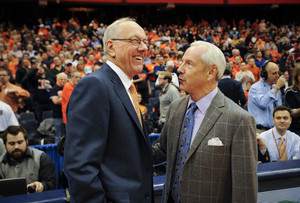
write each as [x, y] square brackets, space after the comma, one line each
[212, 173]
[108, 156]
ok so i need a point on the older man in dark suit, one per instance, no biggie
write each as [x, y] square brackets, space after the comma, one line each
[108, 156]
[231, 88]
[209, 142]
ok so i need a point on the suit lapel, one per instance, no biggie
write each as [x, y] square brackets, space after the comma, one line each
[177, 128]
[211, 117]
[123, 96]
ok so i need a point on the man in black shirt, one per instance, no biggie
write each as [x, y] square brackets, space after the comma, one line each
[42, 84]
[55, 96]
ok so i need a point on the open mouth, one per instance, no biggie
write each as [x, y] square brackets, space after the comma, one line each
[139, 58]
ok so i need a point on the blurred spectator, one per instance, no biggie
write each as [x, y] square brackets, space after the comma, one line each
[56, 97]
[244, 76]
[11, 93]
[67, 91]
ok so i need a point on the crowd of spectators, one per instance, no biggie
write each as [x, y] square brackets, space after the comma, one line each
[34, 56]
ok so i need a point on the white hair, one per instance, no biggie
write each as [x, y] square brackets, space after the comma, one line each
[212, 56]
[112, 31]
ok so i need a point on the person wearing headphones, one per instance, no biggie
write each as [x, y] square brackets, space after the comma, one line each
[265, 95]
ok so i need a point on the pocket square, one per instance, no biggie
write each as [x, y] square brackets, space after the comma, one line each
[215, 142]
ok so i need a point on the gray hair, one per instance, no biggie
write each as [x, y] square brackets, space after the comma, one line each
[73, 73]
[213, 56]
[59, 75]
[113, 31]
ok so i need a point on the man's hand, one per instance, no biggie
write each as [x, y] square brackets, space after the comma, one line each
[280, 82]
[38, 186]
[261, 142]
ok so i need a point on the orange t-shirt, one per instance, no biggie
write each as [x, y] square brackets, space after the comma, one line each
[12, 68]
[233, 59]
[150, 67]
[235, 70]
[57, 48]
[66, 94]
[273, 52]
[256, 72]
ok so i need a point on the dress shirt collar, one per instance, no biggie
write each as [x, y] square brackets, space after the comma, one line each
[277, 135]
[123, 77]
[266, 84]
[204, 102]
[224, 77]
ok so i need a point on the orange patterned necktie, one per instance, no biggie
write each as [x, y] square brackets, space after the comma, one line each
[282, 150]
[134, 98]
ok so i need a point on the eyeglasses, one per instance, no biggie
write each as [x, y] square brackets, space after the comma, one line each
[3, 75]
[133, 41]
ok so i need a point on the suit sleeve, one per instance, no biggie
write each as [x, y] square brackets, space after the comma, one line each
[241, 94]
[244, 161]
[87, 131]
[264, 158]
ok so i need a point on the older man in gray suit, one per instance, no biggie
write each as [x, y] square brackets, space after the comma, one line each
[208, 141]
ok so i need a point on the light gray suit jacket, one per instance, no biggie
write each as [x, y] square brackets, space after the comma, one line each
[212, 173]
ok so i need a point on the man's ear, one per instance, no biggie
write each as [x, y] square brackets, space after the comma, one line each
[212, 72]
[110, 47]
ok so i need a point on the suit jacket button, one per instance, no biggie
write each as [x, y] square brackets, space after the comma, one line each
[148, 169]
[147, 196]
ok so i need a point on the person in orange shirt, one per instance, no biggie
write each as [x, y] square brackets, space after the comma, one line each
[253, 68]
[67, 91]
[235, 52]
[260, 43]
[91, 61]
[98, 50]
[8, 43]
[246, 92]
[223, 23]
[80, 67]
[150, 68]
[237, 66]
[10, 93]
[11, 64]
[57, 47]
[272, 50]
[44, 31]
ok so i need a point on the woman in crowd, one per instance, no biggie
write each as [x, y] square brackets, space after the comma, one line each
[292, 100]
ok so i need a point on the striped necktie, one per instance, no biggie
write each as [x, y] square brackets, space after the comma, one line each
[134, 98]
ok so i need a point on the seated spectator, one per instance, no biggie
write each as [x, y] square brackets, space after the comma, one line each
[58, 68]
[281, 144]
[33, 164]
